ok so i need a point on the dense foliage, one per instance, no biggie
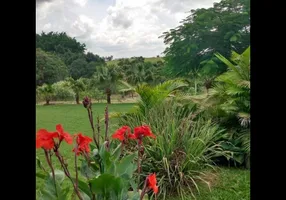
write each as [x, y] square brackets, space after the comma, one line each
[221, 28]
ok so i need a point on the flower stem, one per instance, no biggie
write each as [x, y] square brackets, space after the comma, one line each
[138, 163]
[98, 130]
[60, 158]
[90, 116]
[144, 189]
[76, 170]
[106, 128]
[52, 168]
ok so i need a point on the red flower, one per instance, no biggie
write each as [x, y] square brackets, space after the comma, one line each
[140, 132]
[82, 144]
[152, 183]
[120, 134]
[45, 139]
[63, 135]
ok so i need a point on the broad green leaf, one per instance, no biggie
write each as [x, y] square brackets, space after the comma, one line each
[107, 184]
[86, 171]
[49, 192]
[116, 153]
[105, 158]
[59, 175]
[83, 186]
[85, 196]
[126, 167]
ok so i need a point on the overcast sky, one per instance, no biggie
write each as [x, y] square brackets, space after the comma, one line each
[122, 28]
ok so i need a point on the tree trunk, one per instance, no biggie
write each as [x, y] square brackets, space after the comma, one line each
[47, 101]
[108, 94]
[77, 98]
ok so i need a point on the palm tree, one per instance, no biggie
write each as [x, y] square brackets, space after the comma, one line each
[77, 86]
[107, 77]
[230, 94]
[47, 91]
[236, 83]
[151, 96]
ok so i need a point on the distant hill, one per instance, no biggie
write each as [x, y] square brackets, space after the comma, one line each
[152, 60]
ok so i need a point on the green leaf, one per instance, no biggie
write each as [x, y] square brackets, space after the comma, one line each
[49, 192]
[59, 175]
[107, 185]
[238, 157]
[85, 196]
[126, 167]
[133, 184]
[83, 186]
[86, 171]
[105, 158]
[134, 195]
[116, 153]
[40, 164]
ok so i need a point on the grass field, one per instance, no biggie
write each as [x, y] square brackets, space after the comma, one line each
[152, 59]
[229, 183]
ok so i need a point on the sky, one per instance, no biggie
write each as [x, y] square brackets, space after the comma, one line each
[122, 28]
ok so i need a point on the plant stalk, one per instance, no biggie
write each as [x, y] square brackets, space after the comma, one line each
[52, 168]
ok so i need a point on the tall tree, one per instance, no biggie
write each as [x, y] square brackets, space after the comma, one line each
[90, 57]
[78, 68]
[58, 43]
[49, 68]
[221, 28]
[77, 86]
[107, 77]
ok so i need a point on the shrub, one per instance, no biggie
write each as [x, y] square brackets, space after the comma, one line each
[62, 92]
[183, 147]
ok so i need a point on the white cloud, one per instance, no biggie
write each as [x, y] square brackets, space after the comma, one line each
[47, 26]
[122, 28]
[80, 2]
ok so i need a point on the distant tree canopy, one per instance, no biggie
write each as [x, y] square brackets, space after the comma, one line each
[109, 58]
[49, 68]
[70, 52]
[58, 43]
[221, 28]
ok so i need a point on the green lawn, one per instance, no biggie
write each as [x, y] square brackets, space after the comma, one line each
[230, 183]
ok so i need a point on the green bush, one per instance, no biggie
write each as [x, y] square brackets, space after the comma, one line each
[62, 92]
[183, 147]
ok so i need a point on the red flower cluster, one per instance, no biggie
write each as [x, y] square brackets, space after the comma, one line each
[82, 144]
[122, 133]
[152, 183]
[45, 139]
[63, 135]
[139, 133]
